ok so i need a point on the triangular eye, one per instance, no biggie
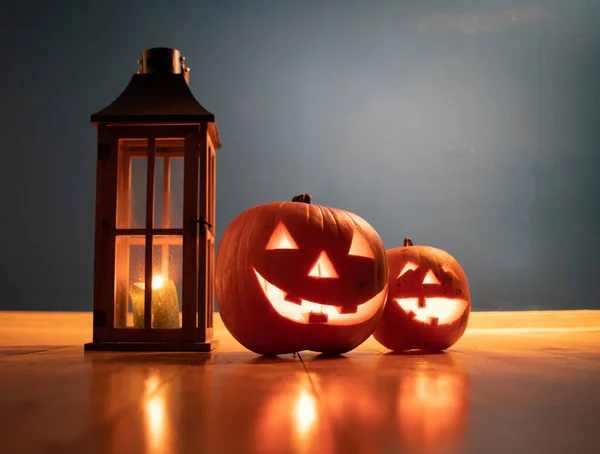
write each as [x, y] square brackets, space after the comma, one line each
[430, 278]
[450, 272]
[410, 266]
[360, 247]
[281, 239]
[323, 268]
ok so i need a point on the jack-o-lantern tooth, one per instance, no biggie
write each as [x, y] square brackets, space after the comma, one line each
[292, 299]
[317, 317]
[347, 309]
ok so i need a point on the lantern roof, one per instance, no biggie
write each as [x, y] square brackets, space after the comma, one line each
[158, 93]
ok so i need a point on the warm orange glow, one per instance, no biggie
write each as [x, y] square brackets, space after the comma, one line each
[157, 282]
[351, 399]
[323, 268]
[445, 310]
[305, 412]
[431, 408]
[408, 267]
[155, 415]
[449, 271]
[360, 247]
[281, 239]
[301, 312]
[430, 278]
[290, 420]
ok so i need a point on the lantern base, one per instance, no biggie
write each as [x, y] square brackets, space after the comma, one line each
[152, 346]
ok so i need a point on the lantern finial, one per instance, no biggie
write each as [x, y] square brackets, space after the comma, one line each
[303, 198]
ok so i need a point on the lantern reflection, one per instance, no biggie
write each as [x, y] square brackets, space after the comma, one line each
[155, 415]
[129, 399]
[431, 405]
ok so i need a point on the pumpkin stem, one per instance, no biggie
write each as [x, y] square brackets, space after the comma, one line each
[302, 198]
[408, 242]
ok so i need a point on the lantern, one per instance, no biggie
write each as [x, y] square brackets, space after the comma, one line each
[294, 276]
[155, 211]
[428, 303]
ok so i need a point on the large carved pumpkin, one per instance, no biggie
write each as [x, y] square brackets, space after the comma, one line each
[294, 276]
[428, 303]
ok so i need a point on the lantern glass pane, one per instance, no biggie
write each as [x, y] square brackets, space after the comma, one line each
[132, 183]
[168, 184]
[167, 272]
[129, 281]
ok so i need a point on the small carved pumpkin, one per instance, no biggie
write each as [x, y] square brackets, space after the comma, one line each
[428, 403]
[294, 276]
[428, 303]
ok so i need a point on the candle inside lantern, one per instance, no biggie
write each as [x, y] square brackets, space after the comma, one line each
[165, 303]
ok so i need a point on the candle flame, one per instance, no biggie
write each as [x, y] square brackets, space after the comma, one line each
[157, 282]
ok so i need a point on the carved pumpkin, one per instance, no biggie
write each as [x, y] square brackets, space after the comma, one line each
[428, 303]
[294, 276]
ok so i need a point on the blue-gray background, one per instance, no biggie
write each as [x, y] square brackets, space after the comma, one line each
[469, 125]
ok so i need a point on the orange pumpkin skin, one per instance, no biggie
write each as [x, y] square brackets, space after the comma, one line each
[257, 264]
[428, 303]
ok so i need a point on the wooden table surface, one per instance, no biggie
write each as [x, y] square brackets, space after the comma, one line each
[524, 382]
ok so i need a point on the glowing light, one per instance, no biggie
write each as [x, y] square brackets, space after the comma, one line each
[157, 282]
[445, 310]
[430, 278]
[281, 239]
[408, 267]
[165, 303]
[360, 247]
[289, 421]
[449, 271]
[305, 412]
[155, 415]
[323, 268]
[431, 409]
[301, 312]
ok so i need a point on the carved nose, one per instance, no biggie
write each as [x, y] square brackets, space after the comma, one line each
[323, 268]
[430, 278]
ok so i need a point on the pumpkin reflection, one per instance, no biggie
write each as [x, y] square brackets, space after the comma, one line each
[290, 421]
[350, 400]
[353, 406]
[431, 405]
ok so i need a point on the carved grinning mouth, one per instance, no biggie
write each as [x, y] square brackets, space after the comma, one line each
[310, 312]
[440, 311]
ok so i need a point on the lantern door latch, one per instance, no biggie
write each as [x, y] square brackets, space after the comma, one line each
[204, 224]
